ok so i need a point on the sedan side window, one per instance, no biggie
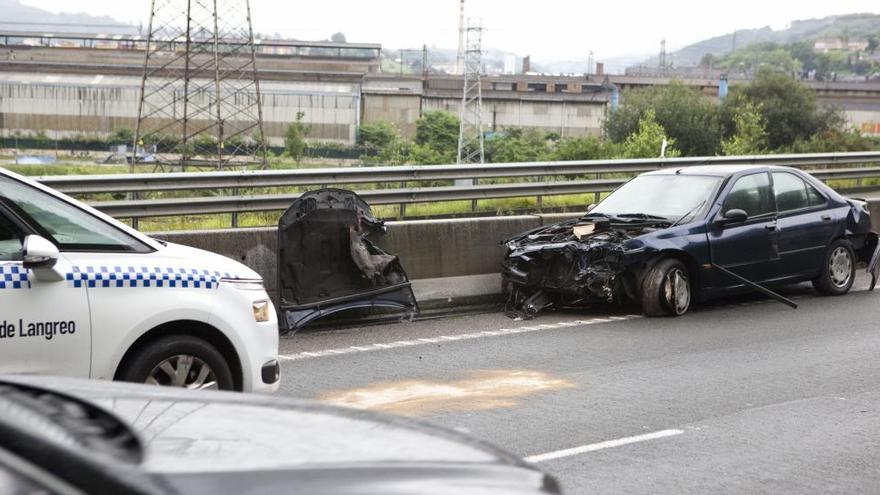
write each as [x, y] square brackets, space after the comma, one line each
[11, 240]
[791, 192]
[751, 194]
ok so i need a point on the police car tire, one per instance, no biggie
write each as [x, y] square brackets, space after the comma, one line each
[139, 367]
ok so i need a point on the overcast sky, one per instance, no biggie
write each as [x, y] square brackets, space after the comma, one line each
[552, 30]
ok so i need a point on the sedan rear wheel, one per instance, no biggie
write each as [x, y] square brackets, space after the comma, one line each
[666, 290]
[838, 272]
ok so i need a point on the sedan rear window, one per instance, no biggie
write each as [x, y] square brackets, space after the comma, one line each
[68, 226]
[792, 193]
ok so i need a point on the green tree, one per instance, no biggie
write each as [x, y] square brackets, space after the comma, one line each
[338, 38]
[762, 56]
[517, 146]
[295, 137]
[833, 140]
[123, 135]
[789, 109]
[425, 155]
[751, 133]
[383, 141]
[873, 43]
[688, 117]
[647, 142]
[437, 132]
[583, 148]
[377, 135]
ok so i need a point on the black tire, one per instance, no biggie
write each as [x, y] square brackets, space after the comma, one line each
[836, 278]
[666, 289]
[184, 353]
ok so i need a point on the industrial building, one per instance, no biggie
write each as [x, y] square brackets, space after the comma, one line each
[70, 84]
[88, 84]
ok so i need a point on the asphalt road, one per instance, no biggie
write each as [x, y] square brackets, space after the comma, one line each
[743, 396]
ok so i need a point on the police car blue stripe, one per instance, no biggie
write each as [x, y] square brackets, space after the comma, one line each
[106, 277]
[13, 276]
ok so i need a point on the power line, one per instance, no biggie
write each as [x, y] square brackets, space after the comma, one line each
[200, 106]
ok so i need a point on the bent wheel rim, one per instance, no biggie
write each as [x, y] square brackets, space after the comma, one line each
[183, 371]
[678, 291]
[840, 267]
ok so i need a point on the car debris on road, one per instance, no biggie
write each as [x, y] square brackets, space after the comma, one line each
[327, 263]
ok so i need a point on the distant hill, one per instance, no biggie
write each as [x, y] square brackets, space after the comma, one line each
[851, 25]
[18, 17]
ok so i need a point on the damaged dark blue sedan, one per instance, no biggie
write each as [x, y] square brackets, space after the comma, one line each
[673, 237]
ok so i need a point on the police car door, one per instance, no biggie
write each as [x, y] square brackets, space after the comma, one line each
[44, 322]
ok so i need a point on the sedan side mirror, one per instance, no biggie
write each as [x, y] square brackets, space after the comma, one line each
[38, 253]
[733, 216]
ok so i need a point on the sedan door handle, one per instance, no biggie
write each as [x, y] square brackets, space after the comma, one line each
[771, 227]
[826, 218]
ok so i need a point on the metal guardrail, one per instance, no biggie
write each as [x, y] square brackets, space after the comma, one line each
[366, 175]
[552, 179]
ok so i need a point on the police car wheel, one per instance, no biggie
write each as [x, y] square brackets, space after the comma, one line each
[180, 361]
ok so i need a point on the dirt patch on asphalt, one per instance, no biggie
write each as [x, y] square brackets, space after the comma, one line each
[481, 390]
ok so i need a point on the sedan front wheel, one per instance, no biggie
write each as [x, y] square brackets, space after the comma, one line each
[179, 361]
[666, 290]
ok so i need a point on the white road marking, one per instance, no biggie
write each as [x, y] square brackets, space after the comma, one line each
[451, 338]
[559, 454]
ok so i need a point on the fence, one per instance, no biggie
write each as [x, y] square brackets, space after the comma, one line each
[530, 180]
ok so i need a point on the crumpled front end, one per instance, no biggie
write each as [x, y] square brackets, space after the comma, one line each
[572, 264]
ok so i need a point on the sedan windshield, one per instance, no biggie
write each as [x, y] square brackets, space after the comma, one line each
[668, 196]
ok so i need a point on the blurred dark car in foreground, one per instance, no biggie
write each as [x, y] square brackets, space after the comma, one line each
[71, 436]
[675, 236]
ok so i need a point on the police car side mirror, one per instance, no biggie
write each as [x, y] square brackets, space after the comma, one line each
[38, 253]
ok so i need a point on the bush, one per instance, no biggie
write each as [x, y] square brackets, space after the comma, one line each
[295, 137]
[437, 131]
[648, 141]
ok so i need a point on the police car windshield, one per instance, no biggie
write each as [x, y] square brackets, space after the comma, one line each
[70, 227]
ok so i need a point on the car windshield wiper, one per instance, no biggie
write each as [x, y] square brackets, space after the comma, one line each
[688, 214]
[642, 216]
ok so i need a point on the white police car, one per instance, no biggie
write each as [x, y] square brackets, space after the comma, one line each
[83, 295]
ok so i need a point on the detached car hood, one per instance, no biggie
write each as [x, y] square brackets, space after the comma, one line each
[231, 443]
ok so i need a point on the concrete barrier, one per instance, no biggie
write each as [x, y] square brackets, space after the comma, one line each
[429, 249]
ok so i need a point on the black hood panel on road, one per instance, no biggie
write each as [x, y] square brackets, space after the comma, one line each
[327, 263]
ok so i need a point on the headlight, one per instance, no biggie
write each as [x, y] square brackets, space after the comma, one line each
[261, 311]
[243, 284]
